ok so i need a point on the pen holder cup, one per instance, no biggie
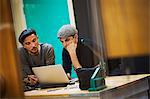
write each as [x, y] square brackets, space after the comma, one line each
[97, 81]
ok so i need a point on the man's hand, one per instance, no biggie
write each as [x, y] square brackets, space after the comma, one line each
[71, 48]
[68, 75]
[31, 79]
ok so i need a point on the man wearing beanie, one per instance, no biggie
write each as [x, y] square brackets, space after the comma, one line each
[76, 52]
[33, 54]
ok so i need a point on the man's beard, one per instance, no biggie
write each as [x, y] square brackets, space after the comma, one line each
[34, 53]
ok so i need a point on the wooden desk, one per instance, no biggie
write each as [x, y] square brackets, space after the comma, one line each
[118, 87]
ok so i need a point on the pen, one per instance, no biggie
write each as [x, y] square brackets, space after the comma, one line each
[52, 90]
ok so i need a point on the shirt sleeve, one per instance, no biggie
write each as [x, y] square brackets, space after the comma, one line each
[49, 55]
[67, 64]
[25, 66]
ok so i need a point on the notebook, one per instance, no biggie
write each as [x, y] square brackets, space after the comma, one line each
[51, 75]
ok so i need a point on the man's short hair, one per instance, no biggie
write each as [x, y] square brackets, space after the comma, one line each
[25, 33]
[66, 31]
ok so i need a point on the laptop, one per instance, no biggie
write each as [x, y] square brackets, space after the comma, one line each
[51, 76]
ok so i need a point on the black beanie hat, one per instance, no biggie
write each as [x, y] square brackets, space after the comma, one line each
[26, 33]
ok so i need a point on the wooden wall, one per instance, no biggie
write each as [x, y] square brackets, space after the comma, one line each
[126, 27]
[9, 68]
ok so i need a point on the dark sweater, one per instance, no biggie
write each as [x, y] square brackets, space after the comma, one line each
[45, 57]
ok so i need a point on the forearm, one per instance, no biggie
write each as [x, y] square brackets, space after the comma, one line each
[74, 60]
[71, 48]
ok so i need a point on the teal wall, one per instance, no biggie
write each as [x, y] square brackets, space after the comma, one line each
[46, 17]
